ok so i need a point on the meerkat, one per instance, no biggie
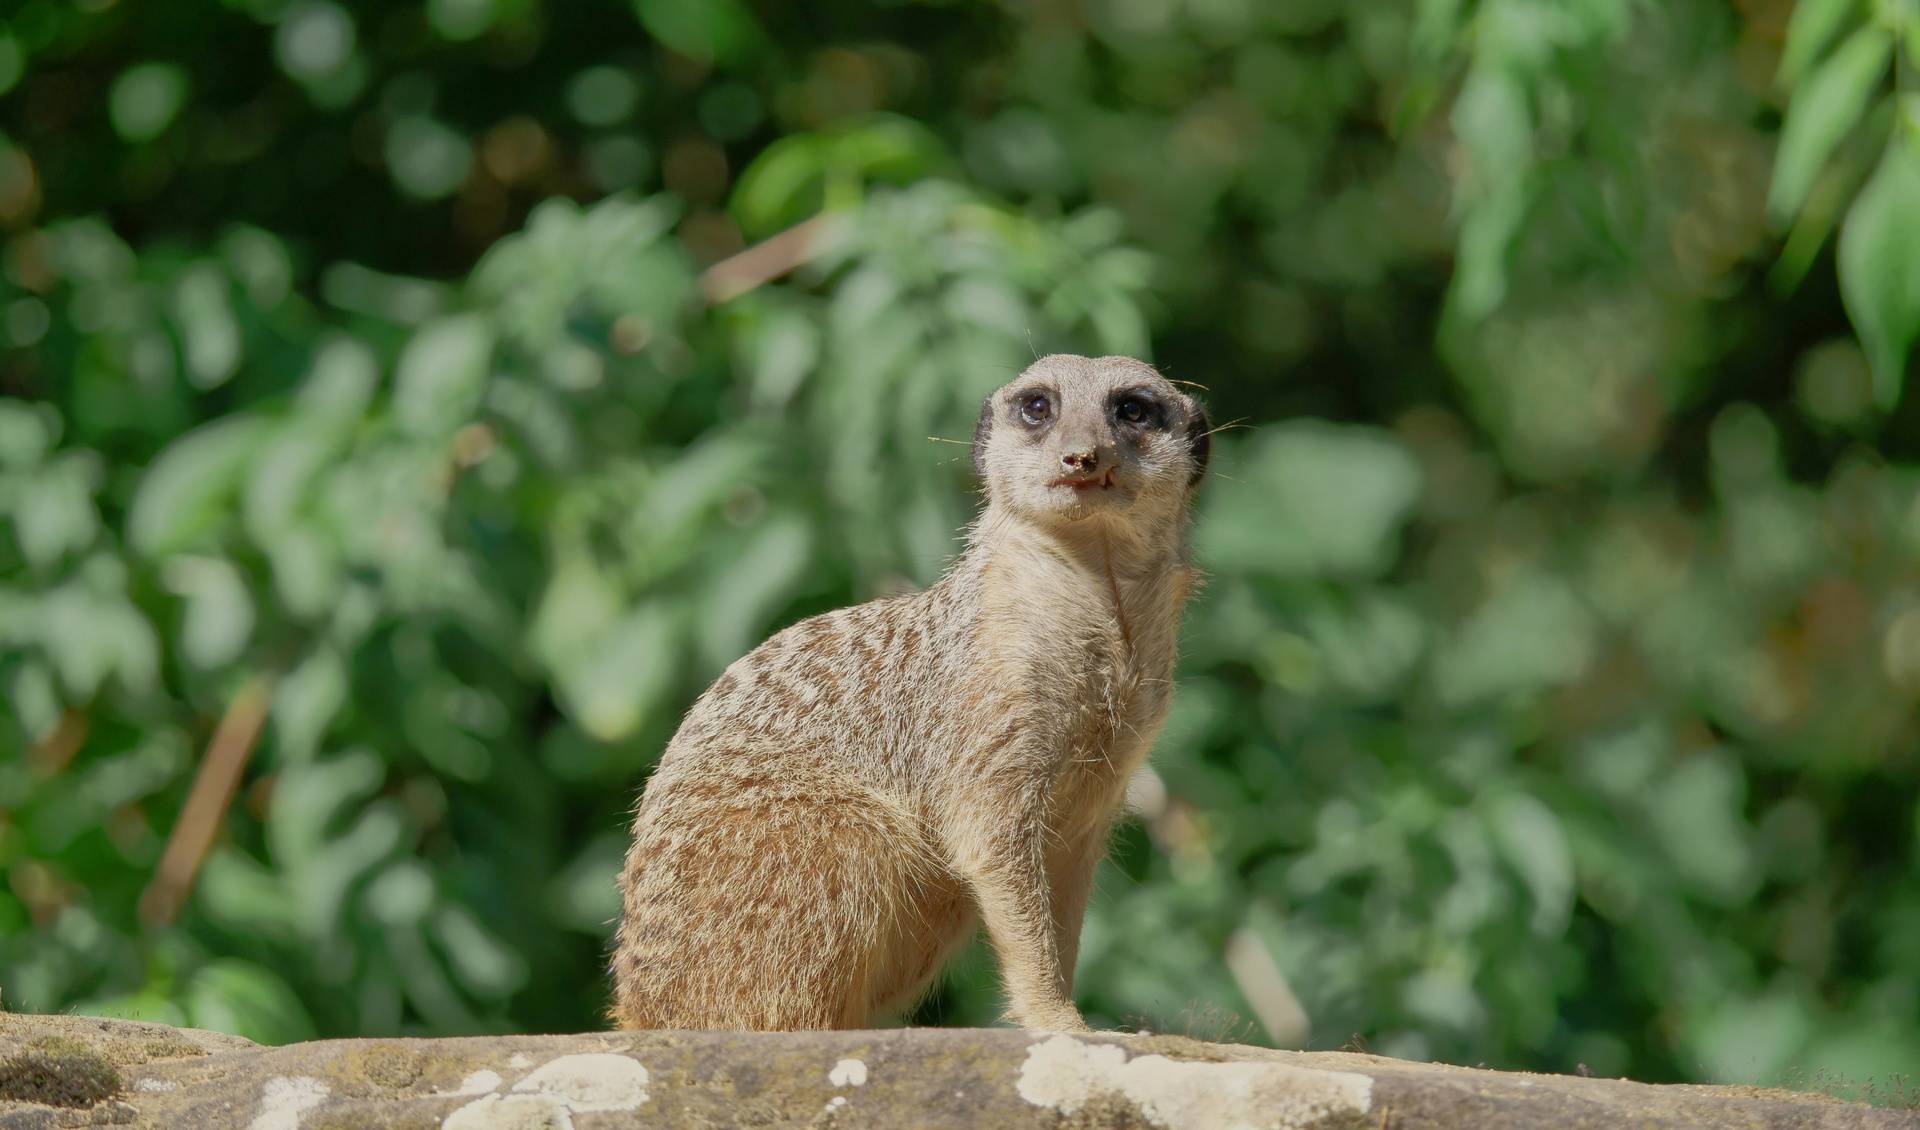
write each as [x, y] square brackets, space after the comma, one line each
[847, 802]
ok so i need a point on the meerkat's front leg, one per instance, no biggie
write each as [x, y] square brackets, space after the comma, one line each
[1000, 849]
[1072, 883]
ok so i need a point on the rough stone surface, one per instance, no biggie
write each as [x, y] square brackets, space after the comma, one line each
[149, 1075]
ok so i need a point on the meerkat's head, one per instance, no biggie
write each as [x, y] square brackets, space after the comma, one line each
[1075, 437]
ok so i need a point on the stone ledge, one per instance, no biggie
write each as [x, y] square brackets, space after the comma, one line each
[996, 1078]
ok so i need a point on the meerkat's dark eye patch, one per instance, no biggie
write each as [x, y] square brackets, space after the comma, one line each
[1199, 442]
[1139, 409]
[982, 432]
[1033, 407]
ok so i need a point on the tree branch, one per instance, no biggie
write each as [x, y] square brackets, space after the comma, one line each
[207, 802]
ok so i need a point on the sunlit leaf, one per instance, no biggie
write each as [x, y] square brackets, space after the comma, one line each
[1823, 109]
[1530, 839]
[1810, 28]
[610, 684]
[207, 325]
[241, 894]
[27, 431]
[402, 894]
[1697, 813]
[483, 962]
[219, 614]
[241, 998]
[746, 593]
[184, 495]
[53, 510]
[709, 30]
[1880, 264]
[442, 375]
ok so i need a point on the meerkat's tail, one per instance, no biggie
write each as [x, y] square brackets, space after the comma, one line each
[761, 904]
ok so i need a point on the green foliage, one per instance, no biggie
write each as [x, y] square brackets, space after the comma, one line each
[1550, 700]
[1879, 259]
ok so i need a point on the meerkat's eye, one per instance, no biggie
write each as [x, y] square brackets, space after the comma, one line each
[1132, 410]
[1036, 409]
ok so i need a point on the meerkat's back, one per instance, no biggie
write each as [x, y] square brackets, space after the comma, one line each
[772, 867]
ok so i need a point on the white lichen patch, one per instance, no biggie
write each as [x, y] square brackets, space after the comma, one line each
[848, 1073]
[834, 1104]
[519, 1061]
[155, 1085]
[284, 1099]
[1066, 1074]
[478, 1083]
[591, 1081]
[510, 1112]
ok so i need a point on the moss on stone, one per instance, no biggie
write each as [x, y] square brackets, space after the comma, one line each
[58, 1071]
[1107, 1111]
[358, 1116]
[169, 1045]
[1180, 1047]
[58, 1045]
[385, 1066]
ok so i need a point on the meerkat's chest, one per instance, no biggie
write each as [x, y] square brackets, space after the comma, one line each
[1096, 668]
[1116, 699]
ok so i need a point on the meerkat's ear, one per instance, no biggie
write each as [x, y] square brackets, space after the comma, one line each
[1199, 442]
[982, 429]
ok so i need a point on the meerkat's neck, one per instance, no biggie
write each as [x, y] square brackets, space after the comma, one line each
[1138, 567]
[1121, 545]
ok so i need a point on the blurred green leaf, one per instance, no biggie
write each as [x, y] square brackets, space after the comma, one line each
[1530, 634]
[483, 962]
[315, 38]
[305, 702]
[230, 995]
[1834, 97]
[53, 510]
[244, 896]
[1880, 264]
[145, 99]
[611, 681]
[1313, 500]
[212, 336]
[27, 432]
[219, 612]
[442, 375]
[800, 175]
[720, 31]
[13, 61]
[183, 496]
[1529, 838]
[1811, 26]
[461, 19]
[1696, 811]
[402, 894]
[428, 159]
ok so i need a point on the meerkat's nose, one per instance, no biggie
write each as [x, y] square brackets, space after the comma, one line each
[1081, 461]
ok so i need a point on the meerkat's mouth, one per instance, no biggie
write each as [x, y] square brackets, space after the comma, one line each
[1097, 482]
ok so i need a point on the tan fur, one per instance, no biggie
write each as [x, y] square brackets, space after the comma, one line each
[846, 802]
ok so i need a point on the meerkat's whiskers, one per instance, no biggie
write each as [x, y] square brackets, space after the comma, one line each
[1230, 424]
